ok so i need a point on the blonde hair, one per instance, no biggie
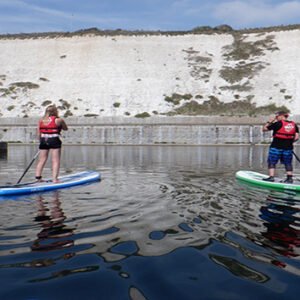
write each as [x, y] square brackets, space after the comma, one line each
[50, 111]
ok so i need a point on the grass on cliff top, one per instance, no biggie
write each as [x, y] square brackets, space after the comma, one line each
[197, 30]
[215, 107]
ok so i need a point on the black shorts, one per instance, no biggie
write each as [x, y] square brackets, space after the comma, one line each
[50, 143]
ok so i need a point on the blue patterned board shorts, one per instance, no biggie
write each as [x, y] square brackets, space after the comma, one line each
[285, 157]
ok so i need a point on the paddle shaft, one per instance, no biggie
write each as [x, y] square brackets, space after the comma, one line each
[30, 164]
[296, 157]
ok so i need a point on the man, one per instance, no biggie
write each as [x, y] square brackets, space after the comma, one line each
[285, 133]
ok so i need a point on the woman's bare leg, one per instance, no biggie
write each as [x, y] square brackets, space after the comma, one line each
[55, 153]
[43, 156]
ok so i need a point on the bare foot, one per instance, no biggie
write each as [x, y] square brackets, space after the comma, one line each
[55, 181]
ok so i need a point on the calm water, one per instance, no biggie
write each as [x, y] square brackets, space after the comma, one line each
[164, 223]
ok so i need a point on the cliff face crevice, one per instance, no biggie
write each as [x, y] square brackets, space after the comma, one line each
[147, 75]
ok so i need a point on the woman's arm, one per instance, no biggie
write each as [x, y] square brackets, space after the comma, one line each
[38, 133]
[61, 123]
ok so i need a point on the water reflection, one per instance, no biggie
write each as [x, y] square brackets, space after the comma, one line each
[3, 154]
[54, 234]
[239, 269]
[165, 223]
[226, 157]
[280, 234]
[3, 150]
[282, 223]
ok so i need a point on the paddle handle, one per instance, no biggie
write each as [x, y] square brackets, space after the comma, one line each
[30, 164]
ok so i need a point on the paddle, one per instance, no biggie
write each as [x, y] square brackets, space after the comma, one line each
[296, 157]
[36, 155]
[299, 162]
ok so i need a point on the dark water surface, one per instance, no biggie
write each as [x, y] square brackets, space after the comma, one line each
[164, 223]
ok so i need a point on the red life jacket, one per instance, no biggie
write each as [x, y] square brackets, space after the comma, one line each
[50, 127]
[287, 130]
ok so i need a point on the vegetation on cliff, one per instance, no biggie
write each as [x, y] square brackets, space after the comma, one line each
[221, 29]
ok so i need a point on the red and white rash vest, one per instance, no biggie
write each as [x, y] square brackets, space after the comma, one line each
[287, 130]
[49, 127]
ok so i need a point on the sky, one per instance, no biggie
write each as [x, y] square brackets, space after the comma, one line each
[27, 16]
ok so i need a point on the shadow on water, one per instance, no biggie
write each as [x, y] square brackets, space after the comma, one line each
[164, 223]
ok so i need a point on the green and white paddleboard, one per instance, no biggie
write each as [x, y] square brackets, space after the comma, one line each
[257, 179]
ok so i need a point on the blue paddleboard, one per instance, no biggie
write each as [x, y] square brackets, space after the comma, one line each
[65, 181]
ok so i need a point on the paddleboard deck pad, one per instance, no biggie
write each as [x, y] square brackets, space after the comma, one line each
[65, 181]
[257, 180]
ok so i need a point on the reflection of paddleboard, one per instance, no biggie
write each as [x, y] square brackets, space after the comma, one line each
[47, 185]
[257, 179]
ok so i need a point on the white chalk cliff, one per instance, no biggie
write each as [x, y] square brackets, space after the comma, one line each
[126, 75]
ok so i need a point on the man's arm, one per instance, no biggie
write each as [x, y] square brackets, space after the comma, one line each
[296, 134]
[265, 127]
[269, 124]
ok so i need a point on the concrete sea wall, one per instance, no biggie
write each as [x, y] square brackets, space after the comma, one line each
[149, 131]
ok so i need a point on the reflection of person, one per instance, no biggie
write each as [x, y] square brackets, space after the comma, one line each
[285, 133]
[54, 234]
[281, 224]
[49, 129]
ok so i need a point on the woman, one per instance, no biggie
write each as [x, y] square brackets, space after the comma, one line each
[49, 129]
